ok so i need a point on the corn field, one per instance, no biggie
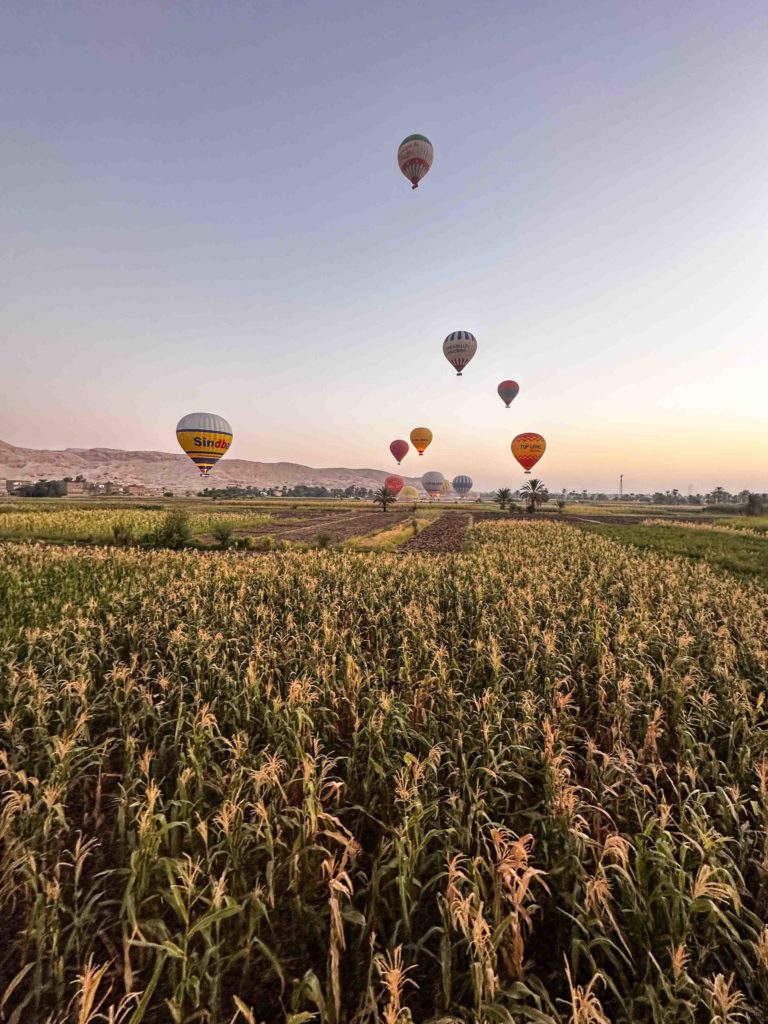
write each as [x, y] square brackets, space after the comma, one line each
[526, 783]
[740, 531]
[99, 525]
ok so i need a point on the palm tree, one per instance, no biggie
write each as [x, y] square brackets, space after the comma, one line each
[502, 496]
[384, 497]
[534, 494]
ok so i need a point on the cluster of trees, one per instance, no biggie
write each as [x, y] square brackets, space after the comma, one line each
[43, 489]
[533, 494]
[299, 491]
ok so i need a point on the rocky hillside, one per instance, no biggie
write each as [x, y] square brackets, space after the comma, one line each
[174, 472]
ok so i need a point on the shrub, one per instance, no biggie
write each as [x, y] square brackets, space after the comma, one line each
[223, 533]
[122, 533]
[323, 540]
[174, 532]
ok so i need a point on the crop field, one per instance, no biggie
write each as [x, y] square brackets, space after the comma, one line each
[523, 783]
[739, 551]
[105, 525]
[132, 525]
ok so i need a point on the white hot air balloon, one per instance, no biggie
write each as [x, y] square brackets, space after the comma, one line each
[433, 484]
[414, 158]
[458, 349]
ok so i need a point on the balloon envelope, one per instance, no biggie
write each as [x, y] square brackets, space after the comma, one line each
[204, 437]
[433, 483]
[409, 493]
[462, 484]
[528, 449]
[414, 158]
[446, 488]
[421, 438]
[508, 390]
[399, 449]
[458, 349]
[394, 484]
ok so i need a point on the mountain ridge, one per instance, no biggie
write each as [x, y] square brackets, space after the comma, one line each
[167, 470]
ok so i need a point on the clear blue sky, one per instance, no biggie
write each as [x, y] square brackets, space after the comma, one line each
[202, 210]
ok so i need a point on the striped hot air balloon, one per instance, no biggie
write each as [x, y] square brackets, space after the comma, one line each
[458, 349]
[414, 158]
[462, 485]
[204, 437]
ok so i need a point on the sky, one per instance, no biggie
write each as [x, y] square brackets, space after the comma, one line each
[202, 210]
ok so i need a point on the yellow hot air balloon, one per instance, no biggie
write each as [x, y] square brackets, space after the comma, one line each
[446, 488]
[421, 438]
[408, 493]
[204, 437]
[528, 449]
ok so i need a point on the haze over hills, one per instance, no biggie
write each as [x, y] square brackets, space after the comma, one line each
[163, 470]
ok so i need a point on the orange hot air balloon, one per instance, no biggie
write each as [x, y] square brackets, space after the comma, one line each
[394, 484]
[421, 438]
[399, 449]
[528, 449]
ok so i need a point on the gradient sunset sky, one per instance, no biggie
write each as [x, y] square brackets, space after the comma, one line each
[202, 211]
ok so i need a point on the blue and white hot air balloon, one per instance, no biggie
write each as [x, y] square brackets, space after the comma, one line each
[462, 484]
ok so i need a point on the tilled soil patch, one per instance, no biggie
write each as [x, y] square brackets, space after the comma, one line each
[337, 527]
[443, 536]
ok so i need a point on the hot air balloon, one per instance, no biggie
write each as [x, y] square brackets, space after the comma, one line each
[414, 158]
[394, 484]
[458, 349]
[462, 485]
[446, 489]
[528, 449]
[408, 493]
[421, 438]
[508, 390]
[204, 437]
[433, 483]
[399, 449]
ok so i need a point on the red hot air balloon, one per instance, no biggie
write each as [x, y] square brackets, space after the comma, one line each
[394, 484]
[508, 390]
[399, 449]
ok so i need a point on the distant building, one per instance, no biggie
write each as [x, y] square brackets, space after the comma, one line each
[135, 489]
[12, 486]
[75, 487]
